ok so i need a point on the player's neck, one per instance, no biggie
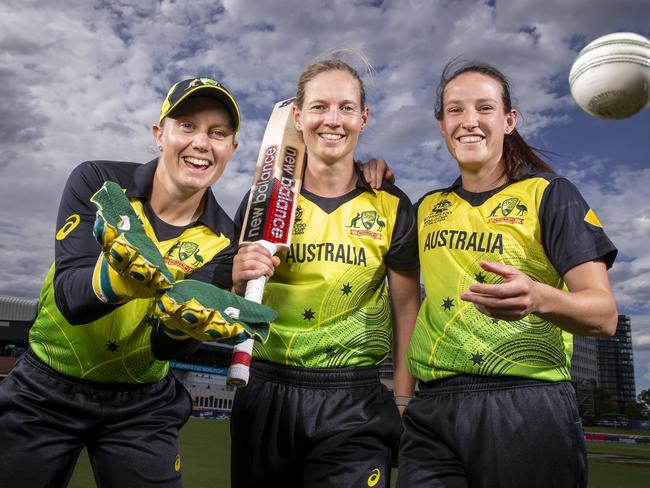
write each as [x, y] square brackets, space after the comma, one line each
[329, 180]
[172, 208]
[482, 178]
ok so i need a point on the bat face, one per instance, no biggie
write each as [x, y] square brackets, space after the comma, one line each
[271, 208]
[278, 177]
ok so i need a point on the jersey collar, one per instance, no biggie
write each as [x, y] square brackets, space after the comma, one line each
[525, 173]
[481, 197]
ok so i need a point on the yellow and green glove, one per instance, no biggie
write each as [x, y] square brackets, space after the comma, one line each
[130, 265]
[205, 312]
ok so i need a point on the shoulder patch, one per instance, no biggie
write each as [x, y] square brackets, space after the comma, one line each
[592, 219]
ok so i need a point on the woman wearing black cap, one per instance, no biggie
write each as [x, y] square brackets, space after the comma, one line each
[96, 374]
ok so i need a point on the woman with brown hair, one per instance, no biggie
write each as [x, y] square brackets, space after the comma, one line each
[514, 263]
[315, 413]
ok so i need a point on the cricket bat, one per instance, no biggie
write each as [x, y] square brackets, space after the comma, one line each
[271, 209]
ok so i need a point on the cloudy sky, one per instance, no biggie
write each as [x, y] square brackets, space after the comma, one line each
[82, 79]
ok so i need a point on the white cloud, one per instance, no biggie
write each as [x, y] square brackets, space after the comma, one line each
[642, 368]
[642, 341]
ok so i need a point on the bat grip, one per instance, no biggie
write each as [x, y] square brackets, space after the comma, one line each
[255, 289]
[239, 370]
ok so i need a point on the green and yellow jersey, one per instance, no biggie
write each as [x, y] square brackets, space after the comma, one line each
[108, 343]
[330, 288]
[539, 224]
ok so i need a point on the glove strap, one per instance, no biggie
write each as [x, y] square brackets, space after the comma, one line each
[104, 277]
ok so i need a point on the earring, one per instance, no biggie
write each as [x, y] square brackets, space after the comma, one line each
[160, 148]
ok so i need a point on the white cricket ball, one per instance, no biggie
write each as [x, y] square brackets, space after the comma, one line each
[610, 78]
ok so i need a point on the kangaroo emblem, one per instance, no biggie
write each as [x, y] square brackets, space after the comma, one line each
[354, 221]
[496, 209]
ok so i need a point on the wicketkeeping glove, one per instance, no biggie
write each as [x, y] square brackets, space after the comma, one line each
[130, 265]
[205, 312]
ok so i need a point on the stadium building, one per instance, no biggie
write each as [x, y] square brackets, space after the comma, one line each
[616, 364]
[16, 317]
[606, 363]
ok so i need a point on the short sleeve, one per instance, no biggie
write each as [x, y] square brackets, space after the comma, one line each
[571, 231]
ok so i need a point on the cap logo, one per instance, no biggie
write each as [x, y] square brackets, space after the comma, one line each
[208, 81]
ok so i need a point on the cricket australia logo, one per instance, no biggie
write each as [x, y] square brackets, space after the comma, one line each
[439, 212]
[202, 81]
[371, 224]
[181, 252]
[511, 210]
[299, 225]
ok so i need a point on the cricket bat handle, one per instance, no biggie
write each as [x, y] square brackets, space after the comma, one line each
[239, 370]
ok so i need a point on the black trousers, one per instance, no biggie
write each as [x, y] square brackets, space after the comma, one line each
[130, 431]
[470, 431]
[299, 427]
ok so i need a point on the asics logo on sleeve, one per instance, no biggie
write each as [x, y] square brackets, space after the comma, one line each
[374, 477]
[70, 224]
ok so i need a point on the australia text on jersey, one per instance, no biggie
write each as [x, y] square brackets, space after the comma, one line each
[466, 241]
[326, 251]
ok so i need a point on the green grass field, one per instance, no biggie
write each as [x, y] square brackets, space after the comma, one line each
[205, 458]
[618, 465]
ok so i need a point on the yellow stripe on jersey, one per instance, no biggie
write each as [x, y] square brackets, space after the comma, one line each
[451, 336]
[330, 288]
[592, 219]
